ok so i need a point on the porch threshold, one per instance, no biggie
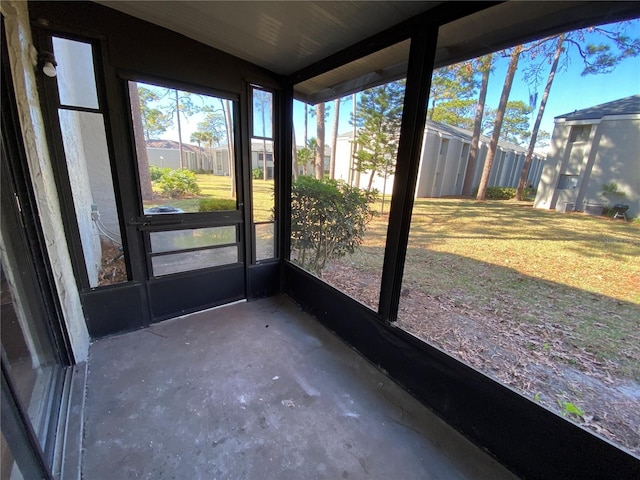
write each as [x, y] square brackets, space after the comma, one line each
[258, 390]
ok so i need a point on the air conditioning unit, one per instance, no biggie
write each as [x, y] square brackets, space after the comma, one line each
[593, 208]
[566, 207]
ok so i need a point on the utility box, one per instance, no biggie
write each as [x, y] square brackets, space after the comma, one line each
[593, 208]
[566, 207]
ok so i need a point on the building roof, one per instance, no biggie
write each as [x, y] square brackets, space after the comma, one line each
[171, 145]
[622, 106]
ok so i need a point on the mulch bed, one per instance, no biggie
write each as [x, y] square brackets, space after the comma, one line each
[113, 269]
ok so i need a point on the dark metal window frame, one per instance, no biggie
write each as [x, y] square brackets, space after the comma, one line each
[524, 436]
[176, 221]
[50, 104]
[15, 420]
[277, 171]
[16, 428]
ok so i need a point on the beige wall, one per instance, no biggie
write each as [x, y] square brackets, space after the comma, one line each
[617, 159]
[610, 155]
[22, 56]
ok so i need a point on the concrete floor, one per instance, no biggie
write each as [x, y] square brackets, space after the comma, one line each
[258, 390]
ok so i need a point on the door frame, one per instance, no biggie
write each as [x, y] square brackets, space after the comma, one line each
[27, 230]
[142, 299]
[187, 292]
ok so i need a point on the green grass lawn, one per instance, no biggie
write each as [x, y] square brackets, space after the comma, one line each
[216, 186]
[576, 271]
[530, 265]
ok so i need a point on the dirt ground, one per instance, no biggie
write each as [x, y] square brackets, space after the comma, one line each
[113, 269]
[557, 374]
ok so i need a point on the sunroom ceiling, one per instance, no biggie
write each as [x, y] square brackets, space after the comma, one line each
[288, 36]
[281, 36]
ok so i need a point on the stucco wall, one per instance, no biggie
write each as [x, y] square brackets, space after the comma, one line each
[80, 187]
[96, 155]
[610, 155]
[545, 195]
[343, 157]
[23, 57]
[617, 159]
[164, 157]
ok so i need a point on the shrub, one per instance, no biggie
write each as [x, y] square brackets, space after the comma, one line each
[157, 172]
[501, 193]
[216, 204]
[328, 220]
[610, 192]
[506, 193]
[178, 183]
[256, 173]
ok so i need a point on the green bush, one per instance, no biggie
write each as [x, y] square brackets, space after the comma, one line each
[157, 172]
[501, 193]
[178, 183]
[506, 193]
[216, 204]
[328, 220]
[256, 173]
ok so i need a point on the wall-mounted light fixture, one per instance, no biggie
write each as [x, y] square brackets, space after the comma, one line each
[47, 63]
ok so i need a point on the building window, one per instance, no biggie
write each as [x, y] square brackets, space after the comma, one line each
[269, 157]
[568, 182]
[580, 133]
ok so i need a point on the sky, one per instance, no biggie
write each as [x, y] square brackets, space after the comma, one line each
[570, 91]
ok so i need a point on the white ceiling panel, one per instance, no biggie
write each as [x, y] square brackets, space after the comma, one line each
[282, 36]
[287, 36]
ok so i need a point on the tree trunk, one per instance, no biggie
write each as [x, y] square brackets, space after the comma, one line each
[305, 165]
[355, 174]
[179, 127]
[370, 184]
[306, 119]
[320, 139]
[384, 194]
[226, 108]
[265, 176]
[467, 187]
[334, 139]
[141, 145]
[497, 126]
[294, 154]
[536, 126]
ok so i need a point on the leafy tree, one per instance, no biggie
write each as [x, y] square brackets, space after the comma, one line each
[484, 67]
[328, 220]
[596, 58]
[262, 102]
[154, 121]
[214, 126]
[307, 154]
[502, 104]
[334, 138]
[294, 156]
[320, 118]
[457, 113]
[201, 137]
[450, 83]
[378, 118]
[228, 124]
[183, 104]
[142, 156]
[515, 126]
